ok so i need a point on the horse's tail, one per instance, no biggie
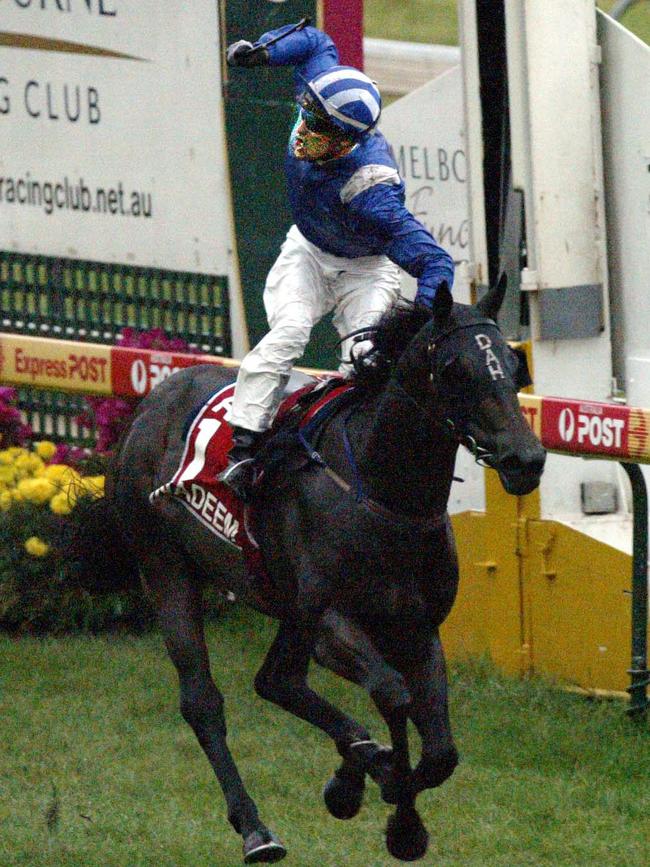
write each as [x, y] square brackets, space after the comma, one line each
[97, 553]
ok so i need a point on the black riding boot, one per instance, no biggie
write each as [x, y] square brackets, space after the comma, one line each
[239, 474]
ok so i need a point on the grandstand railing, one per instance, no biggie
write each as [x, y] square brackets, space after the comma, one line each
[73, 299]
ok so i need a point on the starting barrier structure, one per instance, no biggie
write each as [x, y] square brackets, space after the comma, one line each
[589, 429]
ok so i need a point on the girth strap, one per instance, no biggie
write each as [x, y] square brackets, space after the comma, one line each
[430, 522]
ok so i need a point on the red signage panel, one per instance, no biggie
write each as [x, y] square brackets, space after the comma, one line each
[586, 428]
[136, 371]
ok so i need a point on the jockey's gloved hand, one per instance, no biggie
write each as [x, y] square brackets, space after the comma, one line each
[426, 293]
[244, 53]
[424, 300]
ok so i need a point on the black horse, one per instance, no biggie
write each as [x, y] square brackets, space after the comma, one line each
[359, 552]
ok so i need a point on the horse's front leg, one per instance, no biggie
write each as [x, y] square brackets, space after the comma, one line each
[282, 679]
[346, 649]
[178, 604]
[406, 837]
[427, 680]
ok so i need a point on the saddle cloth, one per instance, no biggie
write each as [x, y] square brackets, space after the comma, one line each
[205, 455]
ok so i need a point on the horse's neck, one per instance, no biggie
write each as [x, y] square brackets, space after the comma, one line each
[407, 462]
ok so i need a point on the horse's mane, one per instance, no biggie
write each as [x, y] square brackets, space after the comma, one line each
[390, 336]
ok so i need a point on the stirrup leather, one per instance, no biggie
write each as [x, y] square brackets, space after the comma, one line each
[235, 470]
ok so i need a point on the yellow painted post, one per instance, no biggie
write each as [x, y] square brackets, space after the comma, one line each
[488, 617]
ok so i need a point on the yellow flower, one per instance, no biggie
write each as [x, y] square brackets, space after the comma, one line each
[37, 490]
[93, 485]
[61, 504]
[60, 473]
[5, 500]
[44, 449]
[36, 547]
[7, 474]
[8, 456]
[28, 464]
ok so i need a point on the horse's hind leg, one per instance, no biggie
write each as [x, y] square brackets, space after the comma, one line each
[178, 603]
[282, 679]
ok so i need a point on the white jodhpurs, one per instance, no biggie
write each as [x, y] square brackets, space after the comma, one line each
[304, 285]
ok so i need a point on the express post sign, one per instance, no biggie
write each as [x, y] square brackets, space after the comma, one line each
[606, 430]
[90, 368]
[589, 428]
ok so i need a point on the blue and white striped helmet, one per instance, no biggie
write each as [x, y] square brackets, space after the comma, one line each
[350, 98]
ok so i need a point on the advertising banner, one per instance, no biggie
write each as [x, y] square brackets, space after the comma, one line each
[608, 430]
[565, 426]
[58, 364]
[112, 133]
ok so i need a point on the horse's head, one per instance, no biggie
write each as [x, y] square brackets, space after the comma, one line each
[473, 379]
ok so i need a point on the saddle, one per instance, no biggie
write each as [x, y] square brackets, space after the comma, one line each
[207, 439]
[302, 414]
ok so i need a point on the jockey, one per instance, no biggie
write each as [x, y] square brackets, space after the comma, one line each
[351, 229]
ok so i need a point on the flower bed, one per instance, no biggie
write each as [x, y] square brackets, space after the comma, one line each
[45, 489]
[110, 416]
[39, 497]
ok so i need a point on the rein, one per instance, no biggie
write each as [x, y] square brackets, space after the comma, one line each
[449, 429]
[356, 490]
[383, 511]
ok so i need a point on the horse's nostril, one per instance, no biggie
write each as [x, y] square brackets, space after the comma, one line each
[531, 463]
[511, 464]
[537, 464]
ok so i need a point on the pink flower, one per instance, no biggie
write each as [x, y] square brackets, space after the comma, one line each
[8, 394]
[13, 432]
[76, 456]
[60, 456]
[9, 415]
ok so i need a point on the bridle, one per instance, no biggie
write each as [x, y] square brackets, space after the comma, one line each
[446, 425]
[481, 455]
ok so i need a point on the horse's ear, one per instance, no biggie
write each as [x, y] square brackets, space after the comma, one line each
[442, 302]
[522, 373]
[491, 302]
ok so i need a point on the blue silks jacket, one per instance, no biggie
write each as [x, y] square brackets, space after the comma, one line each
[354, 219]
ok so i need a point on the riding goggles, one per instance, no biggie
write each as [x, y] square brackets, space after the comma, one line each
[311, 114]
[317, 124]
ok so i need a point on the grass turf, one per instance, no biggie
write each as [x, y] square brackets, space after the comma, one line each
[436, 21]
[98, 769]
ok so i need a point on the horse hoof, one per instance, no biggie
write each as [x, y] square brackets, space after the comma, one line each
[406, 837]
[263, 847]
[343, 798]
[391, 792]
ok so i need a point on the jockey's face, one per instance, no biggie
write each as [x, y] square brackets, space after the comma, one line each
[315, 139]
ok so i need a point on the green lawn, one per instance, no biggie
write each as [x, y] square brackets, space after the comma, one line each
[98, 769]
[432, 21]
[435, 21]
